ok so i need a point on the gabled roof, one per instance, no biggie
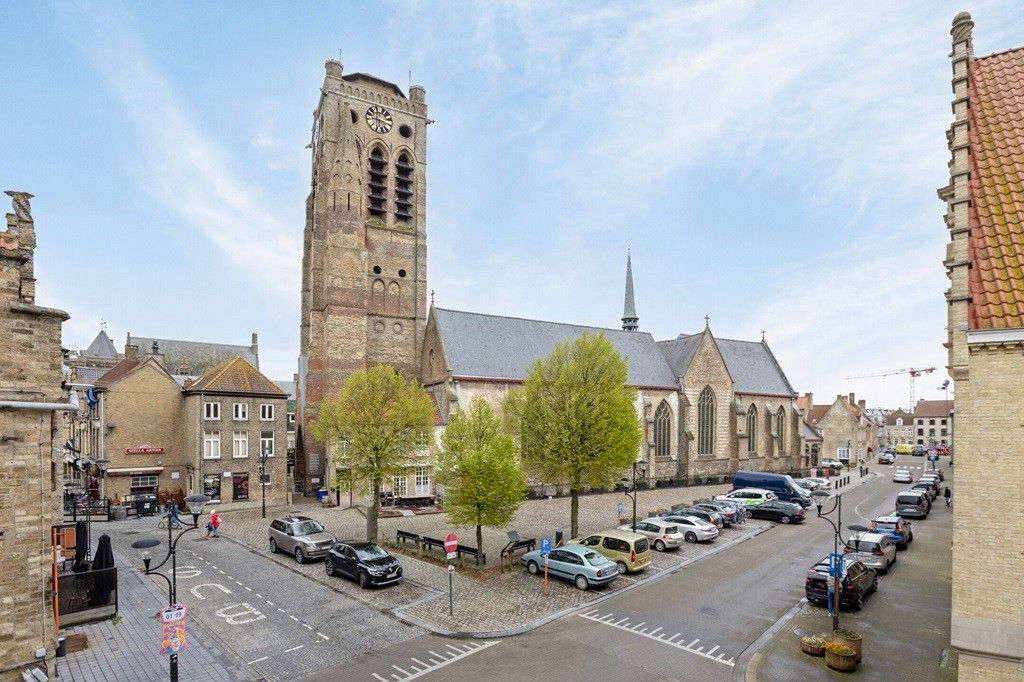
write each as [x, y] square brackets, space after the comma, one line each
[933, 408]
[817, 413]
[117, 372]
[995, 244]
[751, 364]
[288, 387]
[809, 433]
[235, 377]
[101, 347]
[197, 356]
[890, 419]
[377, 81]
[495, 347]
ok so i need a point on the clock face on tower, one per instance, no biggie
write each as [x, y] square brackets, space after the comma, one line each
[379, 119]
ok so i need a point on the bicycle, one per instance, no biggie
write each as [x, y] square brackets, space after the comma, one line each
[176, 525]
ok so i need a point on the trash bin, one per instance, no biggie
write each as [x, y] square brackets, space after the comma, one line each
[145, 504]
[321, 494]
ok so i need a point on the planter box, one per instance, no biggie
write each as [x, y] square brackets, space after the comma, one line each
[844, 664]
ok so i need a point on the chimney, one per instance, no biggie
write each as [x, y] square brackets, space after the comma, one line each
[862, 404]
[156, 354]
[255, 348]
[853, 401]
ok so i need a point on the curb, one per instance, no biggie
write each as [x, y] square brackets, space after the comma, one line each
[749, 660]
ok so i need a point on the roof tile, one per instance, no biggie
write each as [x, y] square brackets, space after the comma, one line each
[235, 376]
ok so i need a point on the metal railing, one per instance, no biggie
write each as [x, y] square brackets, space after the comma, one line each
[80, 593]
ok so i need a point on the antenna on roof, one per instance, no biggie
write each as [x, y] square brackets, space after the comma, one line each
[103, 326]
[762, 336]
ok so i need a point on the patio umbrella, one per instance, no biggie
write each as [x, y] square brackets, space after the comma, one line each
[81, 547]
[105, 581]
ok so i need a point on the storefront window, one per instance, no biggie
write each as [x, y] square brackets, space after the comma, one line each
[211, 486]
[240, 486]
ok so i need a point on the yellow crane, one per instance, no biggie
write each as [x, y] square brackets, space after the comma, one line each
[912, 372]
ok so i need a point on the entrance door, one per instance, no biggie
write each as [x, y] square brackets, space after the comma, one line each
[240, 486]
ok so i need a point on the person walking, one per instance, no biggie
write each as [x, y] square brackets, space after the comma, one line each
[215, 521]
[948, 495]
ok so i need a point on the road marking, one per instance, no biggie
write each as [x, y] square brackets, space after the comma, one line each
[258, 660]
[325, 637]
[308, 627]
[699, 651]
[268, 601]
[294, 618]
[197, 595]
[294, 648]
[653, 631]
[437, 661]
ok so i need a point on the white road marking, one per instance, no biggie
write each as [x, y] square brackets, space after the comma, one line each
[294, 648]
[436, 661]
[653, 631]
[382, 679]
[699, 651]
[196, 594]
[258, 660]
[268, 601]
[325, 637]
[308, 627]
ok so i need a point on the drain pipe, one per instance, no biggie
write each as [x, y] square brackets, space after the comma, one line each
[70, 406]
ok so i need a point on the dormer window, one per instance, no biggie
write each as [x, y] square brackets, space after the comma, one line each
[403, 188]
[378, 183]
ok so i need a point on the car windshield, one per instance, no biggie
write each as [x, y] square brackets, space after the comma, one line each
[370, 552]
[308, 528]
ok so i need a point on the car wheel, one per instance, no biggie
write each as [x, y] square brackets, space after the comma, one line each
[874, 585]
[582, 583]
[273, 546]
[691, 536]
[329, 566]
[659, 545]
[621, 566]
[299, 556]
[364, 580]
[532, 568]
[784, 519]
[860, 601]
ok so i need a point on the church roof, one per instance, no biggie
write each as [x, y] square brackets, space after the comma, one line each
[235, 377]
[995, 95]
[101, 347]
[751, 364]
[495, 347]
[197, 356]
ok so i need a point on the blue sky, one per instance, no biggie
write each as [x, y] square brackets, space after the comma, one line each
[771, 165]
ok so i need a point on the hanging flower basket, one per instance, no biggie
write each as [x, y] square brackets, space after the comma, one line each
[840, 657]
[813, 645]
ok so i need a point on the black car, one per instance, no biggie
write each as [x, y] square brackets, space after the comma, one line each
[777, 510]
[728, 513]
[709, 515]
[919, 451]
[365, 562]
[857, 582]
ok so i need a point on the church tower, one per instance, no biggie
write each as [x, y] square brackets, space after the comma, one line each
[364, 248]
[629, 319]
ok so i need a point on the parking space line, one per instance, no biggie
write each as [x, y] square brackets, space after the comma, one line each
[404, 672]
[653, 631]
[698, 651]
[382, 679]
[325, 637]
[258, 660]
[294, 648]
[436, 661]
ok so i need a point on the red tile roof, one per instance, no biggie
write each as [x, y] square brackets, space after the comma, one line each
[817, 413]
[235, 377]
[933, 408]
[996, 240]
[117, 372]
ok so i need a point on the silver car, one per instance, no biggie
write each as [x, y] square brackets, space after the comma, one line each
[874, 550]
[302, 537]
[663, 534]
[694, 529]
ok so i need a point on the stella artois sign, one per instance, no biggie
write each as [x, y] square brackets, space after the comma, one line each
[145, 450]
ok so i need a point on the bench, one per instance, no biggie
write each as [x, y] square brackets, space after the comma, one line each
[416, 501]
[431, 543]
[516, 545]
[474, 552]
[401, 536]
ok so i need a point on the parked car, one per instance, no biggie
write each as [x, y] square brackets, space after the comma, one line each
[833, 465]
[365, 562]
[899, 530]
[890, 450]
[630, 551]
[913, 503]
[874, 550]
[783, 485]
[747, 496]
[712, 517]
[726, 511]
[887, 458]
[929, 487]
[694, 529]
[857, 582]
[777, 510]
[918, 451]
[662, 533]
[576, 563]
[904, 449]
[812, 484]
[302, 537]
[902, 476]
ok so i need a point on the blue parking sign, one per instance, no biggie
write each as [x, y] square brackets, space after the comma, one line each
[835, 565]
[545, 546]
[620, 508]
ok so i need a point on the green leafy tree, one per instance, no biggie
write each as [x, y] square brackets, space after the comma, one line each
[484, 483]
[574, 419]
[383, 417]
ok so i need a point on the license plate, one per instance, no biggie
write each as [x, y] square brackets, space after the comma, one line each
[392, 575]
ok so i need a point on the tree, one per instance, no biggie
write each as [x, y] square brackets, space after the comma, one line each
[483, 481]
[383, 417]
[574, 419]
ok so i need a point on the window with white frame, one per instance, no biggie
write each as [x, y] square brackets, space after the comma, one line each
[211, 445]
[267, 443]
[423, 445]
[266, 412]
[843, 453]
[143, 484]
[211, 411]
[241, 411]
[422, 481]
[240, 444]
[398, 486]
[291, 417]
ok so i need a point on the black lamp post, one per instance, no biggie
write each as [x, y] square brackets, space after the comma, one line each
[196, 503]
[642, 466]
[837, 506]
[265, 452]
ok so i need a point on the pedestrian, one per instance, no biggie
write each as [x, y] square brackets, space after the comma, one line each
[948, 495]
[215, 521]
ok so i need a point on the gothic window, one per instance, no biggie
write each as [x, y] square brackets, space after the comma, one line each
[663, 431]
[403, 188]
[378, 183]
[393, 301]
[706, 422]
[752, 429]
[780, 429]
[377, 297]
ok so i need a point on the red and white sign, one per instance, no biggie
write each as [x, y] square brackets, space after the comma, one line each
[144, 451]
[451, 542]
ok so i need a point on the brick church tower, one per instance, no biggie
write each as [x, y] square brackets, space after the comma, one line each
[364, 263]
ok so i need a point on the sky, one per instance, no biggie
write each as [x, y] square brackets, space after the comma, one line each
[773, 166]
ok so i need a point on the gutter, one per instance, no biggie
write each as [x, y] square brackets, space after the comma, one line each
[70, 406]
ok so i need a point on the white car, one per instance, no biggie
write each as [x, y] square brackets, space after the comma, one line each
[693, 529]
[748, 497]
[902, 476]
[663, 534]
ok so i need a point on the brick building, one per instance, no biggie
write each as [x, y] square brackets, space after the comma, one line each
[933, 422]
[898, 428]
[848, 432]
[985, 339]
[31, 439]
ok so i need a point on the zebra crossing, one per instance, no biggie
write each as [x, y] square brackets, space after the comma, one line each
[677, 640]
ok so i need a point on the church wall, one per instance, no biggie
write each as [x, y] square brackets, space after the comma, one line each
[646, 403]
[708, 369]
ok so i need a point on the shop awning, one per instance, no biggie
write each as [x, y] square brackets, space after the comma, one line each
[134, 471]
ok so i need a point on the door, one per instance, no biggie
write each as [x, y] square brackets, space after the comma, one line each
[349, 562]
[558, 563]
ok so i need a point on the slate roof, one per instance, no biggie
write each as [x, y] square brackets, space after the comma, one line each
[352, 77]
[933, 408]
[996, 213]
[751, 364]
[89, 375]
[288, 387]
[808, 432]
[197, 355]
[495, 347]
[235, 377]
[101, 347]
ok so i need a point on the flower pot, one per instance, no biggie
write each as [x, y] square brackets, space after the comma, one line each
[850, 639]
[844, 664]
[812, 647]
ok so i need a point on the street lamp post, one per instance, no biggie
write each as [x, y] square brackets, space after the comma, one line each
[146, 544]
[837, 526]
[265, 452]
[642, 466]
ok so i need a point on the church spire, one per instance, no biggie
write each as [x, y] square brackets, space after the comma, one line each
[629, 318]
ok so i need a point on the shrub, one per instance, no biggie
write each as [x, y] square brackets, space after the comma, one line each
[847, 634]
[839, 649]
[816, 640]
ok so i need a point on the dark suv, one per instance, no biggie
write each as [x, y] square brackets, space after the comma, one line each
[858, 582]
[711, 516]
[302, 537]
[365, 562]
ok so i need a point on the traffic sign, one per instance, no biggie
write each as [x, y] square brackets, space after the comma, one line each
[452, 555]
[451, 568]
[620, 508]
[835, 564]
[545, 546]
[451, 542]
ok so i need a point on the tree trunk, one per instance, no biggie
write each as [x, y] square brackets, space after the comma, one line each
[574, 513]
[372, 512]
[479, 544]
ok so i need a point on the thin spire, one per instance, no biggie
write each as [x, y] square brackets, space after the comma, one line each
[629, 318]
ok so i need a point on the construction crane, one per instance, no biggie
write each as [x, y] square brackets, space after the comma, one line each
[913, 373]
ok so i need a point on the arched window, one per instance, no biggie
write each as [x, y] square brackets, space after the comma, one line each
[706, 422]
[393, 300]
[780, 429]
[403, 188]
[378, 183]
[752, 429]
[663, 431]
[899, 421]
[377, 297]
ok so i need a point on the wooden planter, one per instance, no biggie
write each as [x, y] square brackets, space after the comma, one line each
[844, 664]
[857, 644]
[811, 648]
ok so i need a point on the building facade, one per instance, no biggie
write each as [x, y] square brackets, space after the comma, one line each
[848, 433]
[933, 422]
[985, 339]
[31, 451]
[898, 428]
